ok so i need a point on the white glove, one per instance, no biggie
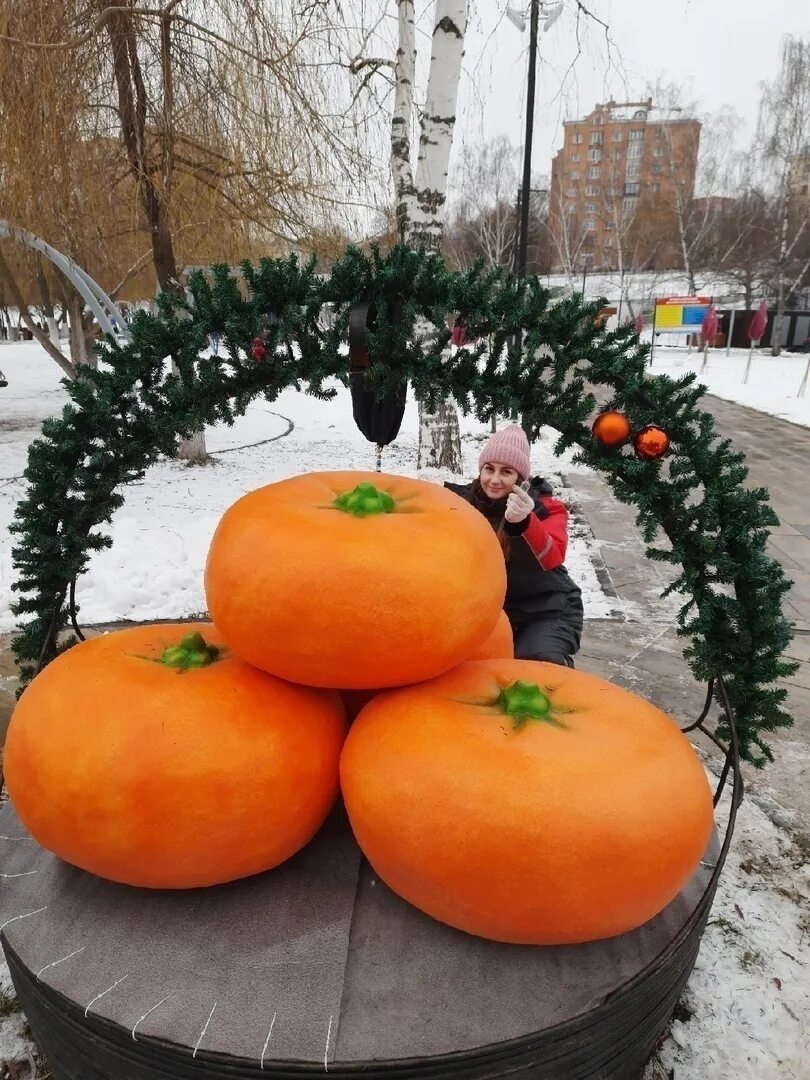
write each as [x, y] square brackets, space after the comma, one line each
[518, 506]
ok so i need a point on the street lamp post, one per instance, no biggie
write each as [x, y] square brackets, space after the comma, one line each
[523, 246]
[550, 14]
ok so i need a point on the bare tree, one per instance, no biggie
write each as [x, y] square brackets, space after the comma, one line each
[742, 245]
[482, 224]
[571, 237]
[700, 163]
[222, 126]
[783, 134]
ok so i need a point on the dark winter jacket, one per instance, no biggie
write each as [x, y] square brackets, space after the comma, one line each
[536, 579]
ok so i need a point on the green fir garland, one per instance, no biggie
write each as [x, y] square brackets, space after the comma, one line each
[692, 508]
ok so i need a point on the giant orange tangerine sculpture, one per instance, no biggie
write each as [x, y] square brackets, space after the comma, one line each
[525, 802]
[152, 757]
[354, 580]
[500, 644]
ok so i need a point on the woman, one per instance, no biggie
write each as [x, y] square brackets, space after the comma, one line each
[542, 603]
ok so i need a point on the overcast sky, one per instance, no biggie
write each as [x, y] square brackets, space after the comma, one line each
[718, 50]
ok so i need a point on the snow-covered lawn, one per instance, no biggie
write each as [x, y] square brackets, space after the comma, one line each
[154, 568]
[773, 383]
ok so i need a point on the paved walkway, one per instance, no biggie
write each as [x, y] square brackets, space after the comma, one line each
[644, 653]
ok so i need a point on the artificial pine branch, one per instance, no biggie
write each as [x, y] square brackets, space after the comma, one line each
[536, 357]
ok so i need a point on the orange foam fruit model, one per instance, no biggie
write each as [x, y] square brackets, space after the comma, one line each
[152, 757]
[525, 802]
[354, 580]
[499, 645]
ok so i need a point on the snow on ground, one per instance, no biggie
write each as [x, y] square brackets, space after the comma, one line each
[744, 1014]
[154, 569]
[773, 383]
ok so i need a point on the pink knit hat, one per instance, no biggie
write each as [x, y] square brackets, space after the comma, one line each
[508, 447]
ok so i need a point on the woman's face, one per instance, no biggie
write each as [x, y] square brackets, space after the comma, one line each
[498, 480]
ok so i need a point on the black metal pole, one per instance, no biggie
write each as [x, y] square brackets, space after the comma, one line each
[584, 277]
[523, 246]
[516, 248]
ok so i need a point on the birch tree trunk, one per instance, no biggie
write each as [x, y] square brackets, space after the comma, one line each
[404, 75]
[439, 436]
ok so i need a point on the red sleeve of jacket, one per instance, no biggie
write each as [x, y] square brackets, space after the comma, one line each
[548, 537]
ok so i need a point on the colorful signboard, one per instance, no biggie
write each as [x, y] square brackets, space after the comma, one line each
[681, 314]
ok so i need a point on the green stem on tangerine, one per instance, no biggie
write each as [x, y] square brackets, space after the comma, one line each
[192, 652]
[524, 701]
[364, 501]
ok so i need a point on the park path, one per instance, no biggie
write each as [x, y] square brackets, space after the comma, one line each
[644, 652]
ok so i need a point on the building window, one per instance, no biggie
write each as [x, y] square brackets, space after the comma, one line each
[618, 136]
[633, 170]
[574, 174]
[634, 150]
[607, 226]
[586, 259]
[629, 207]
[572, 192]
[590, 208]
[636, 134]
[593, 172]
[594, 155]
[591, 189]
[609, 241]
[590, 224]
[656, 170]
[658, 151]
[577, 139]
[596, 138]
[632, 189]
[575, 156]
[655, 188]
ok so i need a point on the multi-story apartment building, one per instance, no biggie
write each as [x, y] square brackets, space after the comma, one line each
[621, 188]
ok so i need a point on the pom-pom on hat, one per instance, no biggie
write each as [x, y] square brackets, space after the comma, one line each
[508, 447]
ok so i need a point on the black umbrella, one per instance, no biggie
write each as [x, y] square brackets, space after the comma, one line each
[378, 417]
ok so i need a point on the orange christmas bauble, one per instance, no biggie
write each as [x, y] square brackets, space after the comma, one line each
[651, 442]
[611, 429]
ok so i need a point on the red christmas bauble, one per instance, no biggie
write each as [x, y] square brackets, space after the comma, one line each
[258, 349]
[611, 429]
[651, 442]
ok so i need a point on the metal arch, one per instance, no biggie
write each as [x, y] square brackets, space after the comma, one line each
[103, 307]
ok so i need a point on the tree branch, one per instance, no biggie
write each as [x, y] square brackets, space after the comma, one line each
[25, 315]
